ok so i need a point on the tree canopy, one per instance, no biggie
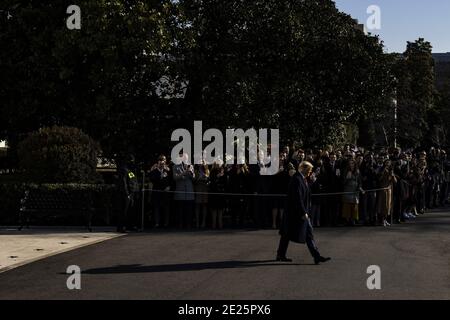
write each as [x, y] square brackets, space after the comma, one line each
[139, 69]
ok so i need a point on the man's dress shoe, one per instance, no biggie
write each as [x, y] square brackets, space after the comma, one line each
[321, 259]
[284, 259]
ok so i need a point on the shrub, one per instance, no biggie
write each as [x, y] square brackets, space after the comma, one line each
[103, 197]
[59, 155]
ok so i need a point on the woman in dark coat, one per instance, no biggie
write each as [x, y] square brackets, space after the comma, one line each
[218, 184]
[238, 185]
[160, 178]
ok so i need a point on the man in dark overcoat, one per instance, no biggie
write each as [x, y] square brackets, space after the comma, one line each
[295, 225]
[127, 187]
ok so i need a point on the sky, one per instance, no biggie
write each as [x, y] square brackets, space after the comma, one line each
[405, 20]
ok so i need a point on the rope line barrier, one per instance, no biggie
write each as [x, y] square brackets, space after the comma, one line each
[262, 194]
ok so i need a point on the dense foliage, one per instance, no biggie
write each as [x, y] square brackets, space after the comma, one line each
[103, 200]
[59, 154]
[139, 69]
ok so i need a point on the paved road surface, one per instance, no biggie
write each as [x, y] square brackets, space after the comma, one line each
[414, 259]
[22, 247]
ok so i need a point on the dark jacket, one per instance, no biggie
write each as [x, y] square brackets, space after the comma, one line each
[183, 182]
[161, 181]
[368, 175]
[317, 187]
[238, 182]
[127, 183]
[217, 185]
[160, 178]
[298, 204]
[331, 182]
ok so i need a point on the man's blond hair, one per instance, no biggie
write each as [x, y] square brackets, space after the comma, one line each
[305, 165]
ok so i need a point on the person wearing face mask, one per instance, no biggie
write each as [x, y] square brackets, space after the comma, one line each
[296, 225]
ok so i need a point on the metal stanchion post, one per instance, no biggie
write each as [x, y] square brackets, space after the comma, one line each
[392, 198]
[143, 201]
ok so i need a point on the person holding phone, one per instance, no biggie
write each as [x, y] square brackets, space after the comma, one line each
[159, 176]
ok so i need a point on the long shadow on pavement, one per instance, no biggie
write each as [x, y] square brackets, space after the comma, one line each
[138, 268]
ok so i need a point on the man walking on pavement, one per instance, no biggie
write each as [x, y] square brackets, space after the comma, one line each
[295, 225]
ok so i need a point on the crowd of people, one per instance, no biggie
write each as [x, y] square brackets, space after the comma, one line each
[350, 186]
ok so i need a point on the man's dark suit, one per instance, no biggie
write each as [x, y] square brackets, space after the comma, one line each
[294, 226]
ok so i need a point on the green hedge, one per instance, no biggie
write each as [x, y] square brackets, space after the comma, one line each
[104, 197]
[59, 154]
